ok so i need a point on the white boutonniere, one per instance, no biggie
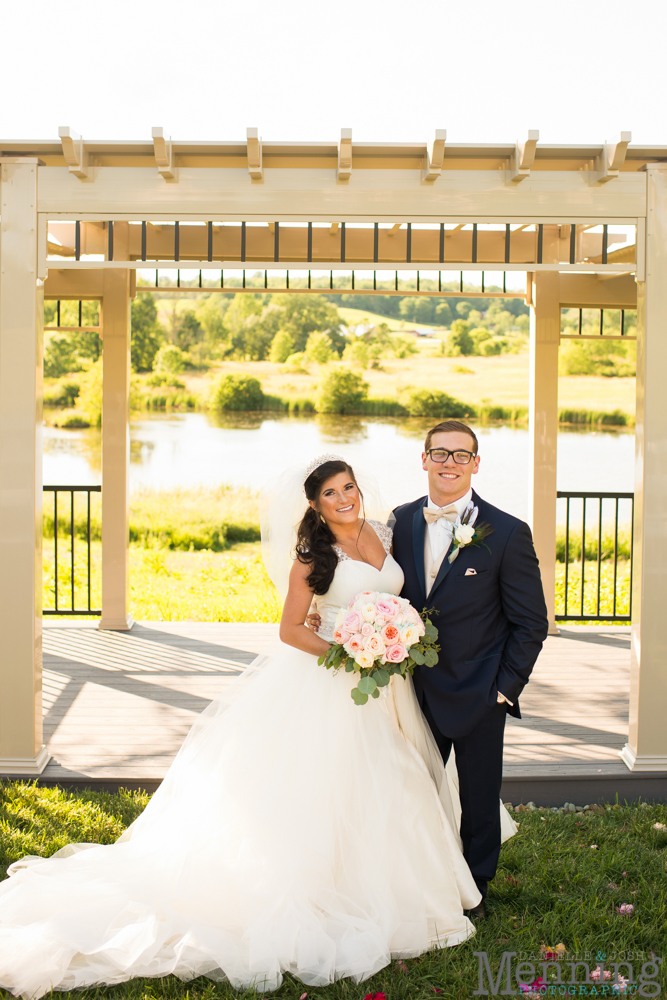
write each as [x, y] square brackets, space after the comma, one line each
[468, 532]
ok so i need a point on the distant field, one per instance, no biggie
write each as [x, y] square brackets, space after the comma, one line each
[502, 380]
[352, 317]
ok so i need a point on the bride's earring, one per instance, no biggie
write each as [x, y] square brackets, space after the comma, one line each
[323, 519]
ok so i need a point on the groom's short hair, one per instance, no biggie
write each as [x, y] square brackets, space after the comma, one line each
[446, 426]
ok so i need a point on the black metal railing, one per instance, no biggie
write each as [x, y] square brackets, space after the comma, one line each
[594, 544]
[72, 572]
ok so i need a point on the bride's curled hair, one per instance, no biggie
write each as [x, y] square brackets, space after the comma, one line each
[315, 539]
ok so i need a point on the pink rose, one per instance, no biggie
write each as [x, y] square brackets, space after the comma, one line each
[390, 634]
[412, 615]
[354, 644]
[396, 653]
[352, 621]
[341, 636]
[383, 609]
[367, 629]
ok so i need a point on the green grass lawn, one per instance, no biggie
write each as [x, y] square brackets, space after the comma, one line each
[352, 317]
[561, 879]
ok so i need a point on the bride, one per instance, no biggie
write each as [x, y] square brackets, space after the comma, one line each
[294, 832]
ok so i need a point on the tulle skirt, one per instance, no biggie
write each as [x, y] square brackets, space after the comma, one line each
[295, 832]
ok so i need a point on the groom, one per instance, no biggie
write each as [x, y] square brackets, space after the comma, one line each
[492, 621]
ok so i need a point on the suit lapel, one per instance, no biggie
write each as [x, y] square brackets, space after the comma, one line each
[418, 530]
[446, 565]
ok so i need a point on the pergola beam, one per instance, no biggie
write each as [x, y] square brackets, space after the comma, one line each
[345, 155]
[74, 152]
[254, 152]
[613, 157]
[435, 156]
[163, 153]
[524, 157]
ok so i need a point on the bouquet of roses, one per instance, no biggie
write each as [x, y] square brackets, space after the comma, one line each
[378, 635]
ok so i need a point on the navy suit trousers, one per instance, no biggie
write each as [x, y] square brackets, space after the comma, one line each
[479, 762]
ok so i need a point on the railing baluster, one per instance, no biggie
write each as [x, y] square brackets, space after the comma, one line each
[71, 535]
[599, 552]
[567, 551]
[615, 553]
[55, 546]
[583, 555]
[632, 548]
[88, 538]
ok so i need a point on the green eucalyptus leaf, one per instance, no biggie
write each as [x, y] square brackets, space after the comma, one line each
[430, 657]
[431, 633]
[376, 693]
[358, 697]
[382, 677]
[416, 655]
[349, 666]
[367, 685]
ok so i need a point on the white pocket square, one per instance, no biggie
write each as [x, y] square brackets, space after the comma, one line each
[470, 571]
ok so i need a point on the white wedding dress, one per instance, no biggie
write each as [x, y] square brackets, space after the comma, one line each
[294, 832]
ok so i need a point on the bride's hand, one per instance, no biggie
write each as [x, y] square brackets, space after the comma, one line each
[313, 621]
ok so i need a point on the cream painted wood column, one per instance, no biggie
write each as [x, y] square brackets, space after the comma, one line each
[21, 330]
[543, 417]
[116, 325]
[646, 749]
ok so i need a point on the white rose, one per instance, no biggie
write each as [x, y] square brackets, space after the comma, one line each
[463, 533]
[365, 659]
[339, 617]
[368, 612]
[409, 635]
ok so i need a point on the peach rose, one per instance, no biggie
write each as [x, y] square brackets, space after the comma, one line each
[354, 644]
[390, 634]
[368, 629]
[396, 653]
[374, 644]
[341, 636]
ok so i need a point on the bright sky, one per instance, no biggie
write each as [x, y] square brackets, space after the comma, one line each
[578, 70]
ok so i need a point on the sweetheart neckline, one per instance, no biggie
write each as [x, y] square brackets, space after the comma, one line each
[364, 563]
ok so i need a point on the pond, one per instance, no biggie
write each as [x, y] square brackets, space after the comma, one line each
[170, 450]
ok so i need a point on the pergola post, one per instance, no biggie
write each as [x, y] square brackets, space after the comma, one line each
[21, 330]
[646, 749]
[543, 423]
[116, 326]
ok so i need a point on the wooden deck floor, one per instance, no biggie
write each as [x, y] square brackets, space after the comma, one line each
[117, 705]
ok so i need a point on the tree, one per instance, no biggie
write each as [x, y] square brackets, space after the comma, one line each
[211, 315]
[463, 309]
[443, 314]
[318, 348]
[282, 346]
[305, 314]
[189, 331]
[342, 391]
[460, 340]
[60, 357]
[147, 333]
[425, 309]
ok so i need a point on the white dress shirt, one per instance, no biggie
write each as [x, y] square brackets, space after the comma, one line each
[440, 535]
[440, 532]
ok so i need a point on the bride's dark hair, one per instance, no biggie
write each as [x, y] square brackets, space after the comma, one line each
[315, 539]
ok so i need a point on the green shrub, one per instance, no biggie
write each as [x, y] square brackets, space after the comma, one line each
[90, 394]
[318, 348]
[433, 403]
[238, 392]
[72, 419]
[62, 393]
[342, 391]
[613, 418]
[607, 549]
[282, 346]
[170, 359]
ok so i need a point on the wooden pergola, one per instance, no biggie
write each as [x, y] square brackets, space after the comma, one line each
[79, 218]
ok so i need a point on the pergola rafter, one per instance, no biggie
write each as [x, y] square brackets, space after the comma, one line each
[80, 217]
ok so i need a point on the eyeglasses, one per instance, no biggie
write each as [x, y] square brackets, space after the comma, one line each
[441, 455]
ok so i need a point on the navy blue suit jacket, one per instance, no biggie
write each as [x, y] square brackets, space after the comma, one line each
[491, 624]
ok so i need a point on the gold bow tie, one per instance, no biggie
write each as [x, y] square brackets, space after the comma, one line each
[449, 513]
